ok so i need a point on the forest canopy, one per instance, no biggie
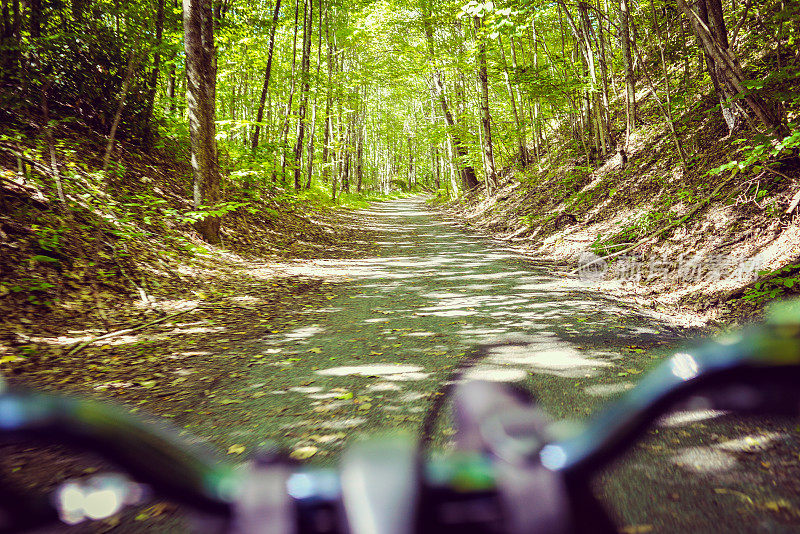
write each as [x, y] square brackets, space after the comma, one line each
[373, 95]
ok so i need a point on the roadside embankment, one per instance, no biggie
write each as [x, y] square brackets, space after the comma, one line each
[709, 248]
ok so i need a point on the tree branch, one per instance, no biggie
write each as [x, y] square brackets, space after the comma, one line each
[88, 342]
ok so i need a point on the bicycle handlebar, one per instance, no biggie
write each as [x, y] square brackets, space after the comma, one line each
[505, 461]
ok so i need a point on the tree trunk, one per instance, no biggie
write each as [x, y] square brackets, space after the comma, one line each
[583, 42]
[605, 74]
[337, 159]
[533, 103]
[725, 65]
[521, 148]
[51, 145]
[326, 169]
[153, 81]
[410, 174]
[630, 86]
[435, 152]
[466, 170]
[267, 73]
[201, 70]
[730, 110]
[486, 118]
[313, 130]
[36, 18]
[287, 115]
[359, 158]
[601, 128]
[118, 115]
[346, 159]
[304, 76]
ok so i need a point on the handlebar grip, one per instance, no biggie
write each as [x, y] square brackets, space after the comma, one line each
[763, 361]
[183, 472]
[381, 486]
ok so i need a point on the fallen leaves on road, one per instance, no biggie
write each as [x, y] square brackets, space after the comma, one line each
[303, 453]
[236, 449]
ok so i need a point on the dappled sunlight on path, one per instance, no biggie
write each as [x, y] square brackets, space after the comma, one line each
[406, 315]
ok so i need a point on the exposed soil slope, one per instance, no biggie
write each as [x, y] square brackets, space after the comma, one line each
[701, 238]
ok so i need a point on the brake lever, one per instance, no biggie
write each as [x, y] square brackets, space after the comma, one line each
[381, 486]
[505, 423]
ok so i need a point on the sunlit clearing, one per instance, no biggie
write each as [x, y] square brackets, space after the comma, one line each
[384, 386]
[720, 457]
[550, 359]
[76, 504]
[342, 424]
[304, 333]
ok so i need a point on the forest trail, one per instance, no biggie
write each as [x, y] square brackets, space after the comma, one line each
[355, 346]
[432, 291]
[368, 359]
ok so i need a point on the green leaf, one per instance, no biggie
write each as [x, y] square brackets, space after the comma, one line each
[44, 259]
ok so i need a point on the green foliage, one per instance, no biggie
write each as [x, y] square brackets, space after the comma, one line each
[529, 220]
[218, 210]
[35, 289]
[43, 259]
[766, 148]
[441, 196]
[47, 237]
[631, 232]
[780, 283]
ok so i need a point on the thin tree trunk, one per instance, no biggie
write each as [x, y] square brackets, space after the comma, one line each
[486, 119]
[601, 128]
[304, 76]
[665, 71]
[313, 129]
[604, 77]
[337, 159]
[726, 66]
[172, 77]
[36, 18]
[512, 97]
[435, 151]
[584, 46]
[267, 73]
[346, 157]
[326, 169]
[359, 157]
[118, 115]
[686, 63]
[522, 139]
[48, 129]
[664, 111]
[466, 170]
[152, 83]
[285, 127]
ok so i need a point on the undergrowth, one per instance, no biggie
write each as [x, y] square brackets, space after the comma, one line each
[127, 231]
